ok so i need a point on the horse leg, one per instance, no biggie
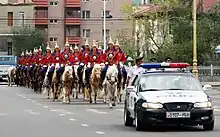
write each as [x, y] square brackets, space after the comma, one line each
[115, 96]
[95, 95]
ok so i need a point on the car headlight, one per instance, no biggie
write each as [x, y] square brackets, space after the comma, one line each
[152, 105]
[206, 104]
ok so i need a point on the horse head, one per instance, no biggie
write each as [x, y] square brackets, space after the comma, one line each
[96, 71]
[112, 74]
[68, 72]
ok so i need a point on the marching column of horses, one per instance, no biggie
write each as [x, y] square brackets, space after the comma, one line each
[63, 80]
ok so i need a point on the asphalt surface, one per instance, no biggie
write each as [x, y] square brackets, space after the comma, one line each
[26, 114]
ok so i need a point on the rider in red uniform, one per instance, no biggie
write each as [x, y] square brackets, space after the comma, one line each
[121, 58]
[48, 58]
[40, 57]
[66, 53]
[109, 58]
[76, 56]
[94, 59]
[58, 58]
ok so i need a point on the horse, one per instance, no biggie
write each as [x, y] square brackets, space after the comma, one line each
[11, 75]
[75, 86]
[46, 84]
[95, 82]
[67, 78]
[55, 84]
[110, 85]
[83, 83]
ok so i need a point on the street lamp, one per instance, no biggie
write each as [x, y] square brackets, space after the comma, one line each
[195, 67]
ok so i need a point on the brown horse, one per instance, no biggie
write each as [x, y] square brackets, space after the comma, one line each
[67, 79]
[95, 80]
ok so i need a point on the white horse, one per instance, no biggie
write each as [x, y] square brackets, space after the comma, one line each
[110, 85]
[11, 75]
[67, 79]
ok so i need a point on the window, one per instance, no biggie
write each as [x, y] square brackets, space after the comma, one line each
[86, 33]
[53, 38]
[53, 21]
[107, 13]
[21, 18]
[85, 14]
[107, 33]
[41, 13]
[73, 13]
[54, 3]
[73, 31]
[10, 18]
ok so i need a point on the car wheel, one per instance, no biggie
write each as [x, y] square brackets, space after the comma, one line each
[139, 125]
[128, 121]
[209, 126]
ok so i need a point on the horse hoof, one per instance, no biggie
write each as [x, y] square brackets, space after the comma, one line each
[90, 102]
[113, 104]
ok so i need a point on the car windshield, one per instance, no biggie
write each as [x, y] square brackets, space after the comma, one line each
[169, 82]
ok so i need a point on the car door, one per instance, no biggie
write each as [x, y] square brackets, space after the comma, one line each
[133, 98]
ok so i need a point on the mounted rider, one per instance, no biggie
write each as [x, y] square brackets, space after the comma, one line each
[39, 56]
[85, 59]
[109, 57]
[121, 58]
[48, 59]
[94, 59]
[76, 56]
[66, 52]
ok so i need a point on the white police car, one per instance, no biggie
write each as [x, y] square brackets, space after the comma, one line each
[167, 97]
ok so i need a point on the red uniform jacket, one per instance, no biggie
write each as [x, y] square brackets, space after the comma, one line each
[58, 58]
[110, 57]
[39, 59]
[47, 59]
[95, 58]
[86, 57]
[75, 57]
[120, 56]
[28, 60]
[66, 56]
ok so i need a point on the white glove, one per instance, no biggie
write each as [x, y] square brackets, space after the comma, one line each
[77, 63]
[44, 66]
[82, 64]
[62, 65]
[52, 64]
[106, 63]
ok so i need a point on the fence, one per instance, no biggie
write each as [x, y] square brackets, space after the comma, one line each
[209, 73]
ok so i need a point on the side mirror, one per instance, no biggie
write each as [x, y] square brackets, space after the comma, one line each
[131, 89]
[207, 87]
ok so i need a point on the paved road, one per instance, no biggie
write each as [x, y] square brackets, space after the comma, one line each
[26, 114]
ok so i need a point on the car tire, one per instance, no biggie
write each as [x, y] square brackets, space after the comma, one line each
[128, 121]
[139, 125]
[209, 126]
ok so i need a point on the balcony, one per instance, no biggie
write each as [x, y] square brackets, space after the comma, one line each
[72, 3]
[73, 16]
[73, 33]
[40, 3]
[41, 16]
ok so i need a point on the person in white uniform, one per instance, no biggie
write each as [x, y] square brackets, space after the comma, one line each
[135, 69]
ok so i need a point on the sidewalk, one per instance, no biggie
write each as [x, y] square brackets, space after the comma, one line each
[214, 84]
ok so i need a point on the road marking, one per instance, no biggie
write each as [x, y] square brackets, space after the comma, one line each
[28, 99]
[122, 110]
[33, 101]
[31, 112]
[215, 109]
[2, 114]
[62, 114]
[84, 125]
[97, 111]
[19, 95]
[39, 104]
[72, 119]
[100, 132]
[45, 106]
[23, 97]
[62, 111]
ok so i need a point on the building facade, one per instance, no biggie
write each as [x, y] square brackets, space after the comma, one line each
[59, 19]
[13, 15]
[92, 21]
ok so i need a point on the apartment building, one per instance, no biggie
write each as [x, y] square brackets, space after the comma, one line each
[11, 15]
[92, 21]
[59, 19]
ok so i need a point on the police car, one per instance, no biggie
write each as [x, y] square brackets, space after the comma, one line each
[167, 95]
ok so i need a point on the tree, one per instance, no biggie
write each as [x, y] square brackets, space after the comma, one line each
[26, 38]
